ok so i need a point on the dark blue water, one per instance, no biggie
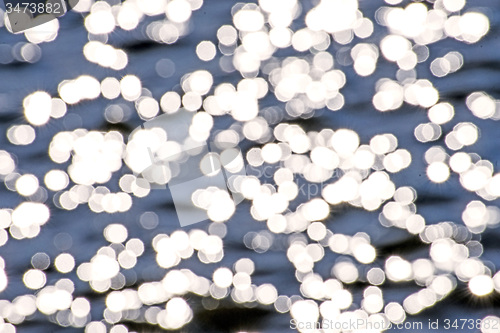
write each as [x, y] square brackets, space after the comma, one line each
[63, 59]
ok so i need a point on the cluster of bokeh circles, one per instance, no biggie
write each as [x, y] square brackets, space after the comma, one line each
[279, 50]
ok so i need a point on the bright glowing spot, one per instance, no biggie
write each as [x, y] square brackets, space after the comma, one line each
[130, 86]
[223, 277]
[227, 35]
[147, 107]
[37, 108]
[481, 285]
[345, 271]
[473, 26]
[453, 5]
[30, 213]
[56, 180]
[21, 134]
[34, 279]
[364, 253]
[271, 153]
[115, 233]
[441, 113]
[345, 142]
[80, 307]
[178, 11]
[438, 172]
[170, 102]
[27, 184]
[100, 21]
[394, 47]
[398, 269]
[64, 263]
[205, 50]
[248, 20]
[110, 88]
[481, 104]
[266, 294]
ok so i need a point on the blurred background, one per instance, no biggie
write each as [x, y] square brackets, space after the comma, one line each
[370, 141]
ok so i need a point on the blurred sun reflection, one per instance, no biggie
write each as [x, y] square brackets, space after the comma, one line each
[285, 62]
